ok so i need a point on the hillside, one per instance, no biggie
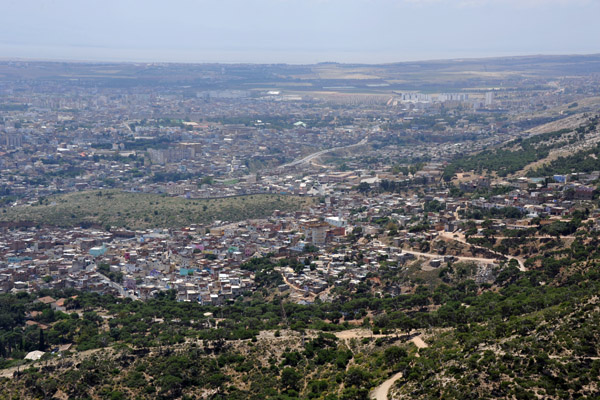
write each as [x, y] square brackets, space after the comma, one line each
[522, 335]
[530, 155]
[139, 210]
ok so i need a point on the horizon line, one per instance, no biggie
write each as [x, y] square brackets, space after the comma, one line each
[433, 59]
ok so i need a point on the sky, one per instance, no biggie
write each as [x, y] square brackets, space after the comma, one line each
[294, 31]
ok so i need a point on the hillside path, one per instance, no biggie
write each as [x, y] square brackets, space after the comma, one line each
[381, 391]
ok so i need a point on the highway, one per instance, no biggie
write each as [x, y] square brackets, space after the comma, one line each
[312, 156]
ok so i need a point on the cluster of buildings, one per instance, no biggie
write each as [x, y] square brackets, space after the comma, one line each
[61, 136]
[204, 263]
[58, 136]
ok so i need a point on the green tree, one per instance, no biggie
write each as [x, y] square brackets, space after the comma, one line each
[394, 355]
[42, 344]
[290, 379]
[364, 187]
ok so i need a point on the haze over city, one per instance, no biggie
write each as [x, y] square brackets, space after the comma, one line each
[295, 31]
[299, 199]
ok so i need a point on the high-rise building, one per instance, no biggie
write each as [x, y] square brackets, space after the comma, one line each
[14, 141]
[489, 98]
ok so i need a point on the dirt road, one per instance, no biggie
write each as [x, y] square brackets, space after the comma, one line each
[461, 258]
[359, 333]
[381, 391]
[418, 341]
[461, 239]
[9, 372]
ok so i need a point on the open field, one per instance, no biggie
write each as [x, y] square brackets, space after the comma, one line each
[427, 76]
[140, 210]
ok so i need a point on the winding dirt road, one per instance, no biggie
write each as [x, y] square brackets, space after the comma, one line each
[461, 258]
[460, 238]
[381, 391]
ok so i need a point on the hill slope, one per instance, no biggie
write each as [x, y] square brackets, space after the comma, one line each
[526, 155]
[141, 210]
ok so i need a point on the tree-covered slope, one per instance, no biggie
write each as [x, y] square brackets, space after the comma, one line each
[517, 154]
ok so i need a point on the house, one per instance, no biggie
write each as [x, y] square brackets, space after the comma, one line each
[34, 355]
[65, 347]
[38, 324]
[584, 193]
[46, 300]
[59, 305]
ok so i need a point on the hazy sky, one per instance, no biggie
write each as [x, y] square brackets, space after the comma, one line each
[294, 31]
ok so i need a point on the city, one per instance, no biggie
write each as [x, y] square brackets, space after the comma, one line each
[351, 214]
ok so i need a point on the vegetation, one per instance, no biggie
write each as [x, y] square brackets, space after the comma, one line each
[583, 161]
[522, 334]
[503, 212]
[139, 210]
[517, 154]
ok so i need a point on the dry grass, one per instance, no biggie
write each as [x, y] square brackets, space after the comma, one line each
[139, 210]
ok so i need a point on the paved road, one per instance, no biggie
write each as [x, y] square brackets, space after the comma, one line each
[312, 156]
[118, 287]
